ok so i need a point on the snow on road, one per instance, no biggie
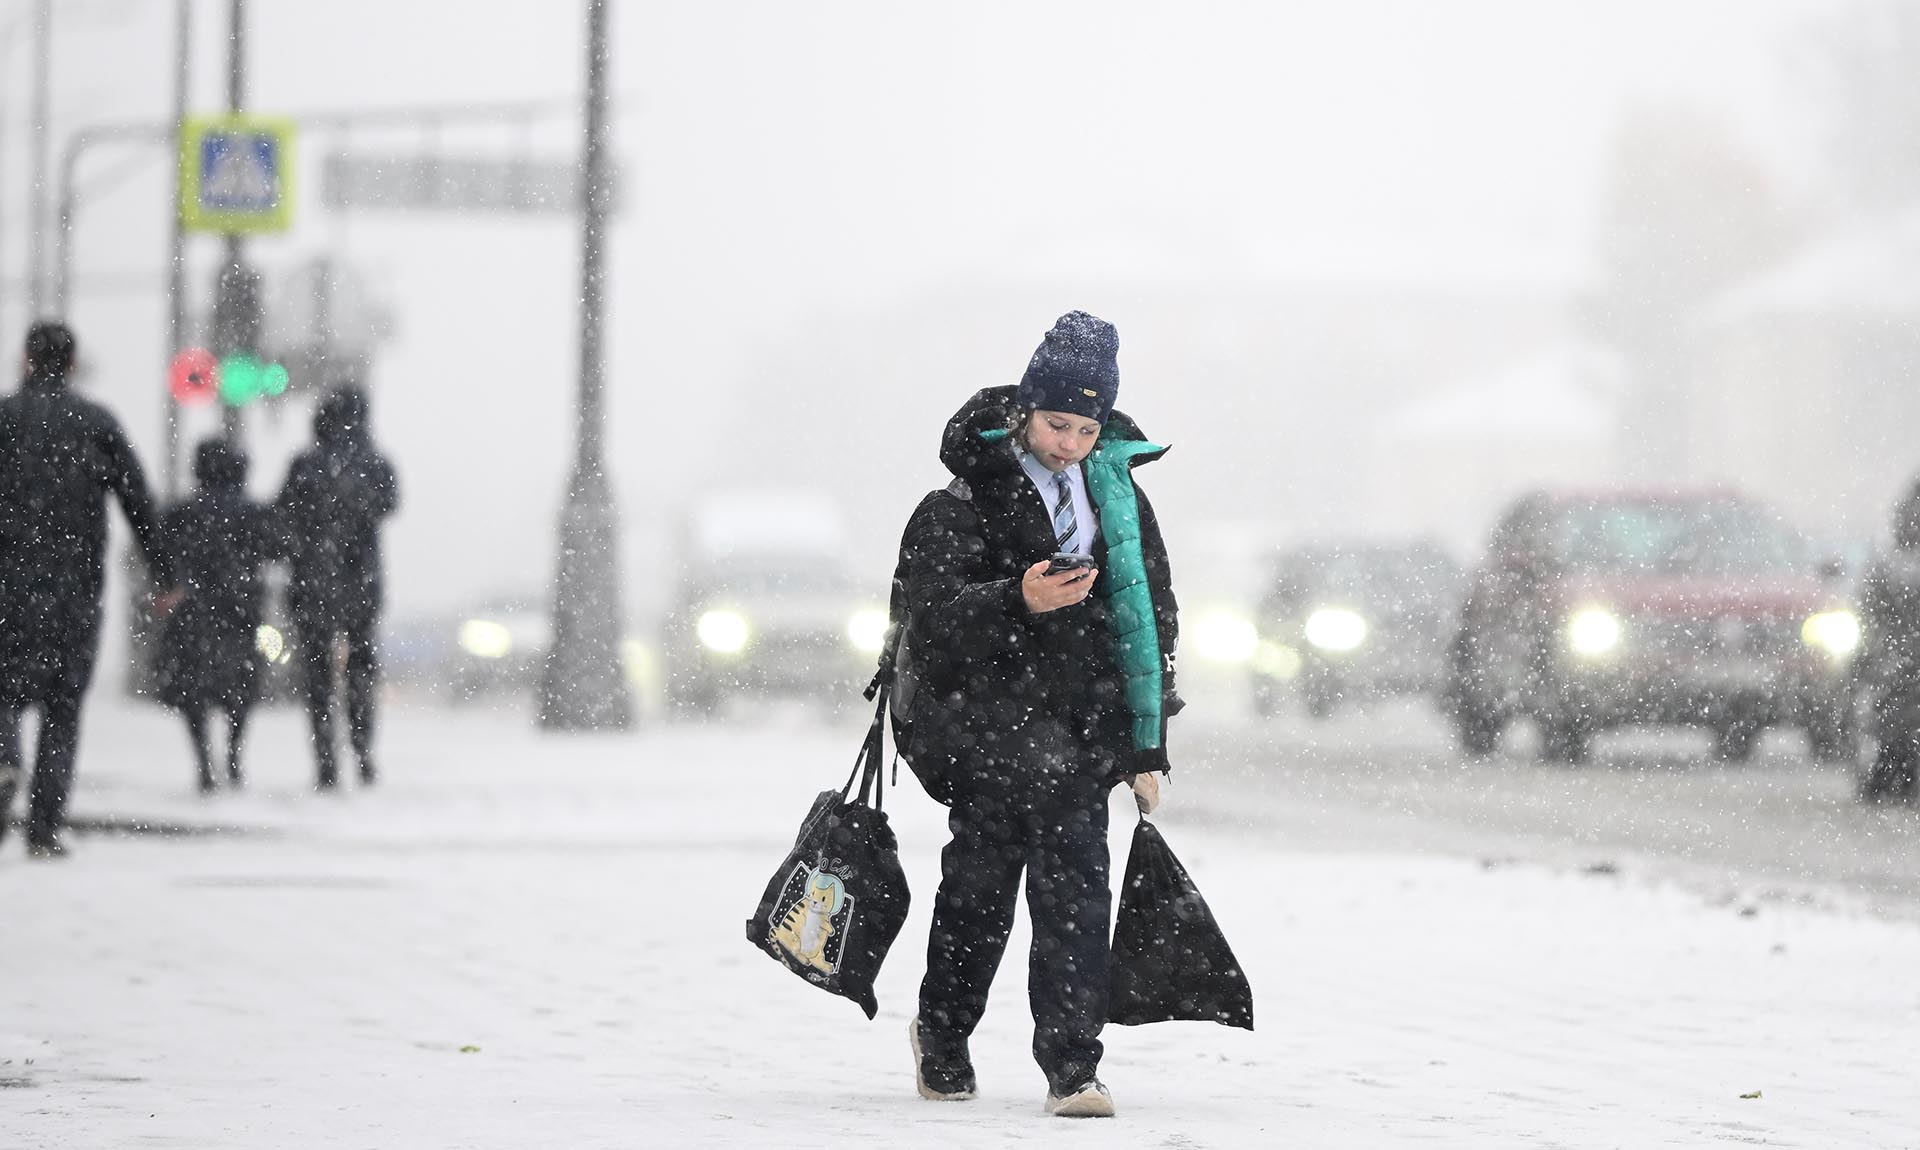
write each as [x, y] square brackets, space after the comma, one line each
[525, 941]
[1656, 802]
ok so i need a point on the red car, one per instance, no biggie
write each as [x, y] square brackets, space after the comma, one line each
[1601, 609]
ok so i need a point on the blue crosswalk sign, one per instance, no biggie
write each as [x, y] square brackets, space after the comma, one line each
[236, 174]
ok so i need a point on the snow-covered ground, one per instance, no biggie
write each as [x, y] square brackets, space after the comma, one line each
[520, 940]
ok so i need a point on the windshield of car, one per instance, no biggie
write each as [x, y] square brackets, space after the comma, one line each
[1386, 576]
[1718, 538]
[776, 581]
[1406, 578]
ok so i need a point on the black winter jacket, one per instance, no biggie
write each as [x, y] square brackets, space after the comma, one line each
[335, 499]
[222, 541]
[60, 457]
[990, 674]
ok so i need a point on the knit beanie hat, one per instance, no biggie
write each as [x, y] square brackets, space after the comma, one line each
[1075, 369]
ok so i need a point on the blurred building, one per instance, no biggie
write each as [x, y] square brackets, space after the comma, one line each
[1807, 379]
[1268, 393]
[1445, 467]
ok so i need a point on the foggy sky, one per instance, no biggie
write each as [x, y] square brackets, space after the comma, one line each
[930, 188]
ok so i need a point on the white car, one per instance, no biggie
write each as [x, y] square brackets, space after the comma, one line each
[766, 605]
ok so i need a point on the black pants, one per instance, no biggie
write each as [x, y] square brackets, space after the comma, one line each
[362, 679]
[203, 740]
[52, 764]
[1057, 837]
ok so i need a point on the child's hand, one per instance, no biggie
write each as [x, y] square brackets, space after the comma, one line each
[1146, 792]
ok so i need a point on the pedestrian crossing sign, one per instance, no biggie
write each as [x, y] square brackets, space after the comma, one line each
[236, 174]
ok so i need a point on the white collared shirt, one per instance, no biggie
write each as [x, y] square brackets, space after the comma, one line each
[1087, 526]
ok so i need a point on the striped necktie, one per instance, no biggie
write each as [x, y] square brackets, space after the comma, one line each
[1064, 526]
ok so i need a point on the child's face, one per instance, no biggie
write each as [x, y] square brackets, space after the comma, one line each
[1059, 439]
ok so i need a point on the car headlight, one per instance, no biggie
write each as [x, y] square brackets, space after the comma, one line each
[1225, 637]
[1594, 631]
[1835, 632]
[268, 640]
[867, 630]
[725, 632]
[486, 639]
[1336, 629]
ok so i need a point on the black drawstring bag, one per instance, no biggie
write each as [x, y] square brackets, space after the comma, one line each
[1170, 961]
[838, 901]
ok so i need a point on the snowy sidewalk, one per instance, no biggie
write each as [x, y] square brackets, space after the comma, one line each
[524, 941]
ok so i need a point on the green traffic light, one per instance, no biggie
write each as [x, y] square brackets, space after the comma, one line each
[244, 379]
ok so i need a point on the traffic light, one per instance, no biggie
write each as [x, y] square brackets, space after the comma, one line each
[238, 376]
[197, 378]
[194, 377]
[244, 379]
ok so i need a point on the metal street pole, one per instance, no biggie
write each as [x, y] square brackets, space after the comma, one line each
[236, 268]
[6, 47]
[176, 244]
[582, 686]
[41, 139]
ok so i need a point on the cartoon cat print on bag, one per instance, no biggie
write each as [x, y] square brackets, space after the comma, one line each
[819, 910]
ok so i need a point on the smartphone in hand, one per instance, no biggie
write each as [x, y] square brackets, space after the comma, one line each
[1068, 561]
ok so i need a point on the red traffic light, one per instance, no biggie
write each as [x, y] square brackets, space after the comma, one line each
[194, 377]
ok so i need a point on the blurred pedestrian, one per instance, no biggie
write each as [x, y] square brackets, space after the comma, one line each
[210, 654]
[1036, 694]
[60, 457]
[337, 495]
[1890, 667]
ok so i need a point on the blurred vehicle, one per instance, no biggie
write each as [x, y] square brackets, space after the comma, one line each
[1888, 667]
[1598, 610]
[767, 604]
[1345, 624]
[499, 647]
[416, 651]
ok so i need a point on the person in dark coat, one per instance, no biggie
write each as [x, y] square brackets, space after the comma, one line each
[337, 495]
[210, 655]
[1035, 695]
[1890, 667]
[60, 457]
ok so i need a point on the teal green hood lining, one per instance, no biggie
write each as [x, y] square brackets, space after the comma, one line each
[1130, 617]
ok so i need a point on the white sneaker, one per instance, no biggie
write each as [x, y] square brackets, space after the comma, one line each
[1090, 1101]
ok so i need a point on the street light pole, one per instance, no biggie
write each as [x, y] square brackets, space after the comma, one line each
[177, 243]
[235, 272]
[41, 140]
[6, 49]
[581, 686]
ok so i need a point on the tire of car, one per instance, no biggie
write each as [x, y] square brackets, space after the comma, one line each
[1733, 742]
[1565, 738]
[1566, 731]
[1833, 735]
[1479, 731]
[694, 699]
[1893, 775]
[1322, 699]
[1477, 725]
